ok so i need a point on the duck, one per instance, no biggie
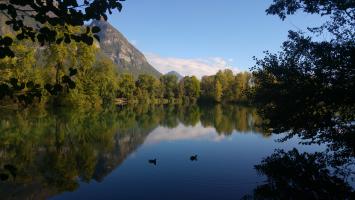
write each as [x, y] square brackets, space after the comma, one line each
[193, 158]
[153, 161]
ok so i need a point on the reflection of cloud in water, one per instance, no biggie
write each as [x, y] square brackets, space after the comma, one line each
[182, 132]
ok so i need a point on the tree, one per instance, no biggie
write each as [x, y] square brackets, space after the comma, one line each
[341, 15]
[170, 86]
[307, 89]
[218, 91]
[49, 22]
[25, 87]
[226, 79]
[106, 80]
[126, 86]
[226, 87]
[148, 87]
[241, 86]
[194, 87]
[60, 57]
[207, 88]
[190, 87]
[95, 81]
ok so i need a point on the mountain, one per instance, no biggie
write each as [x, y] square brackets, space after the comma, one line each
[175, 73]
[115, 46]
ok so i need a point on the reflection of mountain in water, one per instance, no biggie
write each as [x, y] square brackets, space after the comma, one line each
[125, 144]
[53, 152]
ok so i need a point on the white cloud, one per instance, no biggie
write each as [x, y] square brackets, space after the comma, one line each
[190, 66]
[183, 133]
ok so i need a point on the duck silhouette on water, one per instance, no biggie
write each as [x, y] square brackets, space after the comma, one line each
[153, 161]
[193, 158]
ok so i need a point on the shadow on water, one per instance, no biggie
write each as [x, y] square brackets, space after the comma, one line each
[295, 175]
[329, 174]
[43, 154]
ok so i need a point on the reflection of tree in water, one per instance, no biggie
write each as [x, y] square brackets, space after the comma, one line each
[51, 150]
[227, 118]
[189, 115]
[170, 120]
[294, 175]
[224, 118]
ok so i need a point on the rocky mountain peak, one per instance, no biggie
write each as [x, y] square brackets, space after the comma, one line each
[115, 46]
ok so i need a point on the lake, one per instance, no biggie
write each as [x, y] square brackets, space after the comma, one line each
[73, 154]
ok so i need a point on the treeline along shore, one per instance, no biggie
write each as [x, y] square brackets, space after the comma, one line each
[75, 74]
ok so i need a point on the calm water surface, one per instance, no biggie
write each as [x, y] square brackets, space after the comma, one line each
[104, 155]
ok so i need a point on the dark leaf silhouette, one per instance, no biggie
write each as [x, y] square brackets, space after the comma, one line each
[4, 177]
[12, 169]
[64, 13]
[97, 37]
[73, 71]
[95, 29]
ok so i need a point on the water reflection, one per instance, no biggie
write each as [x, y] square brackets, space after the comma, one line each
[209, 151]
[53, 152]
[295, 175]
[50, 151]
[227, 118]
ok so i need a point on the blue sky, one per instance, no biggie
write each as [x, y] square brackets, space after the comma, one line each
[201, 36]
